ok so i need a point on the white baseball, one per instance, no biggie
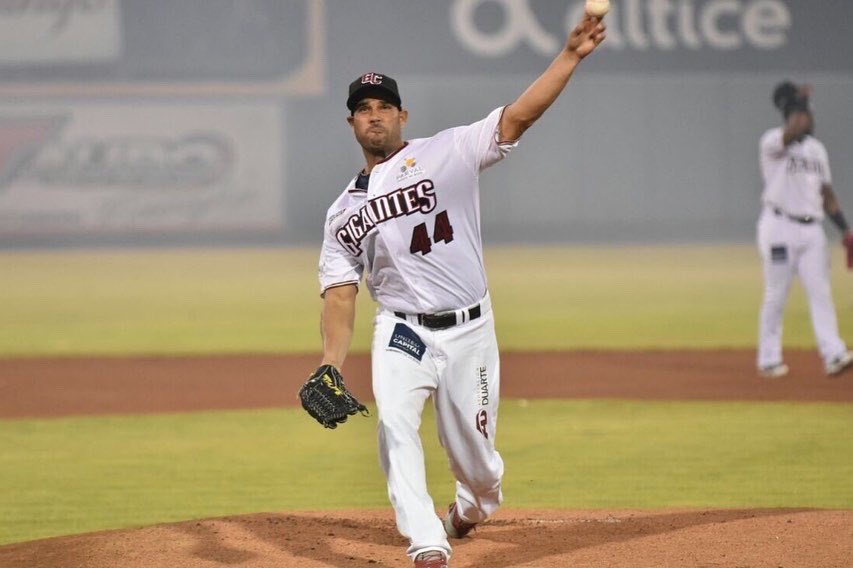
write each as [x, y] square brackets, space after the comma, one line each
[597, 8]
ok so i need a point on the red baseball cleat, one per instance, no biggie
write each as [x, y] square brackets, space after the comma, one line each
[431, 559]
[454, 526]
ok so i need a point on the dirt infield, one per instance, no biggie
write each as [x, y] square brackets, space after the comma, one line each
[150, 385]
[710, 538]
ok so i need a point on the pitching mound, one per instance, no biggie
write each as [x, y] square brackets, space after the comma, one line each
[635, 539]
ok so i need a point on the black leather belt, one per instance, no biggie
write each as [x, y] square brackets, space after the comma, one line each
[442, 321]
[804, 219]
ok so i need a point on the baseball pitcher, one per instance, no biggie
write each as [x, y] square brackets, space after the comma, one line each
[410, 222]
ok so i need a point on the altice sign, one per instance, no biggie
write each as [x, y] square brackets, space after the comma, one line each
[660, 35]
[639, 25]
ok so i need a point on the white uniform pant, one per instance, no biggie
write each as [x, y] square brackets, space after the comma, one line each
[790, 249]
[459, 367]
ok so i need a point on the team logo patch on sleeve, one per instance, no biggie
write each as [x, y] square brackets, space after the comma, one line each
[405, 340]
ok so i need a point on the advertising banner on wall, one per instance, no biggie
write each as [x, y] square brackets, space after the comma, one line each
[694, 36]
[43, 33]
[118, 48]
[290, 47]
[155, 169]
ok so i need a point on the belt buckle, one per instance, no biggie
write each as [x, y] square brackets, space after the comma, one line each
[443, 320]
[438, 321]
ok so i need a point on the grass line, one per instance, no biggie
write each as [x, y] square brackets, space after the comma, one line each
[66, 476]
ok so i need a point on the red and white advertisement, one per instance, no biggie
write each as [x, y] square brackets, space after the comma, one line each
[152, 168]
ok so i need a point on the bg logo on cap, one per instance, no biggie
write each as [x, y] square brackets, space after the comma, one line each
[371, 79]
[373, 85]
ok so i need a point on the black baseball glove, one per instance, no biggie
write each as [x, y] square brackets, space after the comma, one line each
[325, 397]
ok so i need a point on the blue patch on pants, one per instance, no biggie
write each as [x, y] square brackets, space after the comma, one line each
[778, 254]
[405, 340]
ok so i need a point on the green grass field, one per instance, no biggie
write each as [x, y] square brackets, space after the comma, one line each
[84, 474]
[72, 475]
[227, 301]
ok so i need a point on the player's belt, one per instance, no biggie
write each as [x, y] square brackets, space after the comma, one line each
[444, 320]
[804, 219]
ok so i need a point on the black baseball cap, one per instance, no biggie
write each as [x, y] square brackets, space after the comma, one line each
[788, 99]
[375, 86]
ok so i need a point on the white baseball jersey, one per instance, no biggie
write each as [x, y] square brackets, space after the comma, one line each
[793, 176]
[416, 229]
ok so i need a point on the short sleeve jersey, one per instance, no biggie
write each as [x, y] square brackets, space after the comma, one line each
[793, 175]
[415, 230]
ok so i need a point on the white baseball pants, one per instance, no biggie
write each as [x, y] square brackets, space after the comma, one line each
[790, 249]
[459, 367]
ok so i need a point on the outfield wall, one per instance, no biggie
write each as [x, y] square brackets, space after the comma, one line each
[191, 122]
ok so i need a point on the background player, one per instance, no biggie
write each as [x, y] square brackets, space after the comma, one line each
[797, 192]
[411, 220]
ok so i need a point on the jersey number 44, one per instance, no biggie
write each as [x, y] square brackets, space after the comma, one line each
[442, 232]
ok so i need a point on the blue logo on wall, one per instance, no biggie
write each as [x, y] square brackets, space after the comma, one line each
[407, 341]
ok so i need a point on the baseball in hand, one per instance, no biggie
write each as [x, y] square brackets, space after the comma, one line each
[597, 8]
